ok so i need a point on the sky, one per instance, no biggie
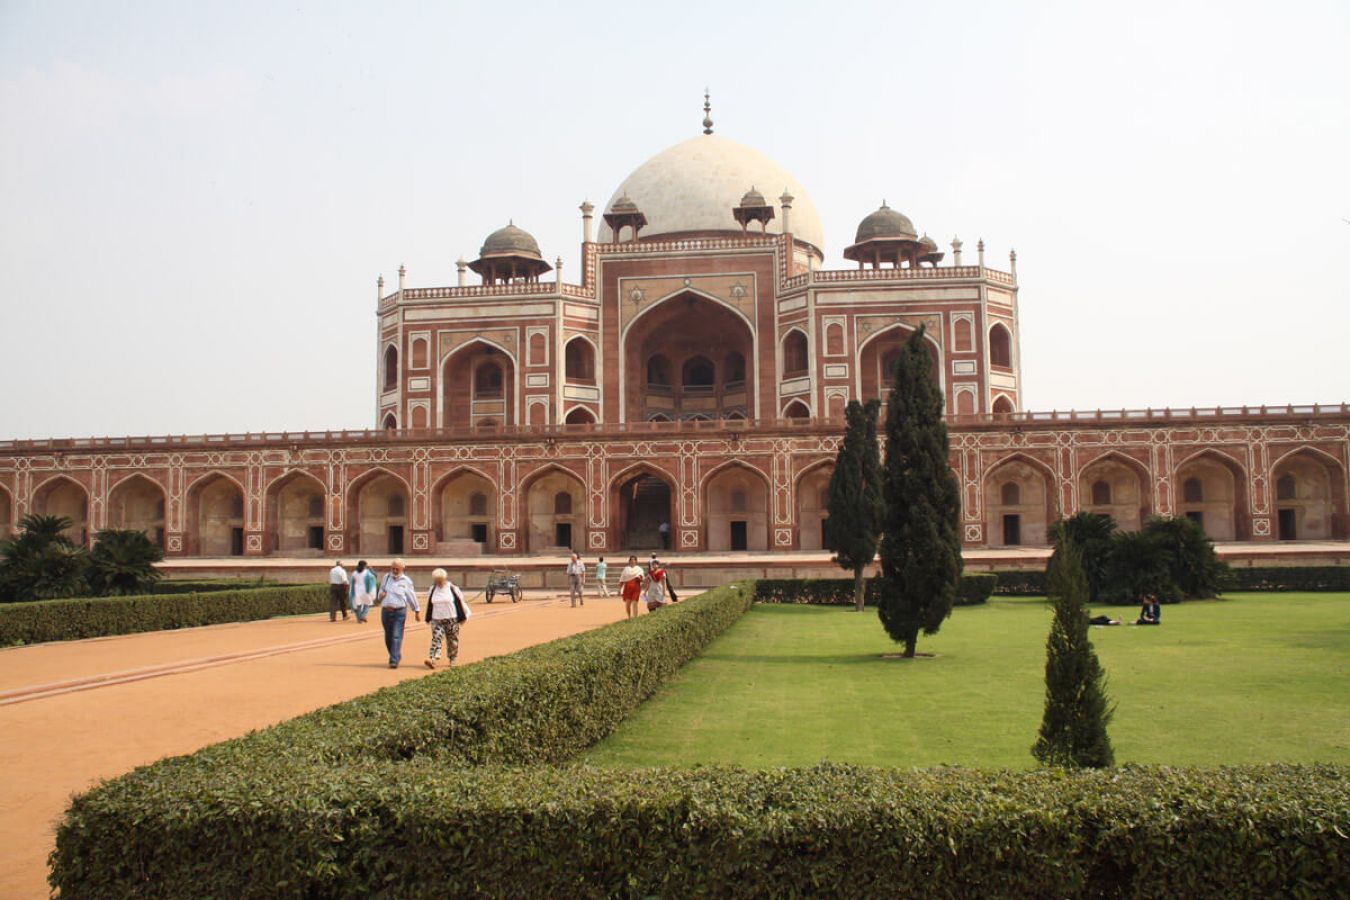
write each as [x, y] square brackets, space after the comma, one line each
[196, 199]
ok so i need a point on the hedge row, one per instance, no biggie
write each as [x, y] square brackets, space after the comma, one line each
[1021, 583]
[1289, 578]
[975, 587]
[279, 828]
[66, 620]
[207, 585]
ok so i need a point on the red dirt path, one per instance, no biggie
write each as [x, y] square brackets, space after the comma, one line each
[61, 730]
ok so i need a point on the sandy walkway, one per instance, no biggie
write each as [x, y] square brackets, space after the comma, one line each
[61, 730]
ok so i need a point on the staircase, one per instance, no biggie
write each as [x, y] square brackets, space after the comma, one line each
[649, 506]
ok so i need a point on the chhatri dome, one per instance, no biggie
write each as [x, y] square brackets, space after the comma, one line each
[695, 185]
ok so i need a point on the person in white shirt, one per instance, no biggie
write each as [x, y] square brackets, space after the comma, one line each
[576, 579]
[337, 592]
[364, 588]
[446, 611]
[397, 595]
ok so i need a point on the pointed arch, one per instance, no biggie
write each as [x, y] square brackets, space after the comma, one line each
[464, 503]
[1222, 509]
[681, 292]
[1314, 503]
[795, 353]
[294, 525]
[1000, 346]
[1003, 405]
[796, 410]
[390, 367]
[214, 522]
[458, 403]
[378, 525]
[137, 503]
[810, 491]
[1019, 517]
[61, 495]
[1127, 489]
[882, 388]
[737, 505]
[580, 414]
[545, 527]
[580, 360]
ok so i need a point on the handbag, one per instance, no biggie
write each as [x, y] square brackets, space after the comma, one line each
[461, 608]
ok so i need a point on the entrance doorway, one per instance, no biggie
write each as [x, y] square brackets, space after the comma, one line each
[644, 503]
[236, 542]
[1197, 517]
[395, 540]
[562, 534]
[316, 537]
[1012, 531]
[479, 532]
[1288, 524]
[740, 534]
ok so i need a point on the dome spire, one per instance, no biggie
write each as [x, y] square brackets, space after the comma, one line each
[707, 112]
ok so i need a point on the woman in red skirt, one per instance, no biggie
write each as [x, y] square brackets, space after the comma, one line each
[630, 581]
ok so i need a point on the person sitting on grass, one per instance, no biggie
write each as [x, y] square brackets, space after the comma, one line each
[1150, 613]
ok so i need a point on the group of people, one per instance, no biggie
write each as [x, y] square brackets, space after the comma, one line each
[1150, 613]
[635, 584]
[446, 607]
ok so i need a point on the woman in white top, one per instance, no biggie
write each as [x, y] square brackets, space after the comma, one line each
[630, 587]
[446, 610]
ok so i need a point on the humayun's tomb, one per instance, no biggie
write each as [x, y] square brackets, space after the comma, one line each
[696, 374]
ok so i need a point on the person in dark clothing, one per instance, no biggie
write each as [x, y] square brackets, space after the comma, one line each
[1150, 613]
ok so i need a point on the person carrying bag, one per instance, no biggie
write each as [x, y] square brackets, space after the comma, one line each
[446, 611]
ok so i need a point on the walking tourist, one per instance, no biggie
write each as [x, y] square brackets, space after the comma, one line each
[364, 587]
[397, 596]
[576, 579]
[630, 587]
[669, 578]
[656, 588]
[337, 592]
[601, 573]
[664, 528]
[446, 611]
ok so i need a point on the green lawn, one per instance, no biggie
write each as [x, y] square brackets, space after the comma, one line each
[1250, 678]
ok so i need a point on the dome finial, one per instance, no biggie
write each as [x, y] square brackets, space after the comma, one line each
[707, 112]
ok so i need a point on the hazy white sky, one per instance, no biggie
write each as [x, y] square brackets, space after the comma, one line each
[196, 199]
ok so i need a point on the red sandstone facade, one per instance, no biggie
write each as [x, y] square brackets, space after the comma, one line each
[696, 376]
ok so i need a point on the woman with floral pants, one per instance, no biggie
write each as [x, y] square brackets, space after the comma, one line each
[446, 609]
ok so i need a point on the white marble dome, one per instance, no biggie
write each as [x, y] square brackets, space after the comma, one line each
[695, 185]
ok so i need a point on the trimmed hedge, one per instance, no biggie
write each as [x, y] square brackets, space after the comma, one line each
[281, 829]
[974, 588]
[1288, 578]
[66, 620]
[207, 585]
[1021, 583]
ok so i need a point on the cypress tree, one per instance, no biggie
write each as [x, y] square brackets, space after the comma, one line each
[1073, 728]
[920, 543]
[855, 495]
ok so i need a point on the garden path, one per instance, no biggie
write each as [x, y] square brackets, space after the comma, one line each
[75, 712]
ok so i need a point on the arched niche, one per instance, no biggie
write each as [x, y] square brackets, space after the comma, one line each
[736, 502]
[62, 496]
[378, 514]
[641, 498]
[796, 355]
[1003, 406]
[215, 516]
[1000, 346]
[579, 361]
[580, 416]
[137, 504]
[963, 339]
[1018, 504]
[834, 339]
[1212, 492]
[879, 356]
[390, 367]
[467, 510]
[679, 359]
[1307, 489]
[546, 527]
[1110, 486]
[297, 515]
[478, 386]
[813, 507]
[796, 411]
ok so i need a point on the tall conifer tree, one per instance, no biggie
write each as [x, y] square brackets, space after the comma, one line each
[1073, 728]
[855, 503]
[920, 543]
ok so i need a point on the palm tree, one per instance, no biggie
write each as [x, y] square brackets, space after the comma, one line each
[1091, 533]
[123, 562]
[42, 563]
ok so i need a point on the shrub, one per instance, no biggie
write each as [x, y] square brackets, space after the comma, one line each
[1091, 534]
[287, 827]
[973, 588]
[1288, 578]
[65, 620]
[1021, 583]
[208, 585]
[123, 563]
[41, 563]
[1193, 566]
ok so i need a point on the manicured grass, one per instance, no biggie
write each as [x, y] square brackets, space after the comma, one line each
[1247, 679]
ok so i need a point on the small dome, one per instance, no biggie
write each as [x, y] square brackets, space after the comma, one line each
[886, 223]
[623, 205]
[753, 197]
[510, 241]
[928, 244]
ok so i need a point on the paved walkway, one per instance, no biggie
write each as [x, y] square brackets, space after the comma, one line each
[76, 712]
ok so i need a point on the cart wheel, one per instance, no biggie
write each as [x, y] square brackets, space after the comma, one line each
[516, 594]
[489, 596]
